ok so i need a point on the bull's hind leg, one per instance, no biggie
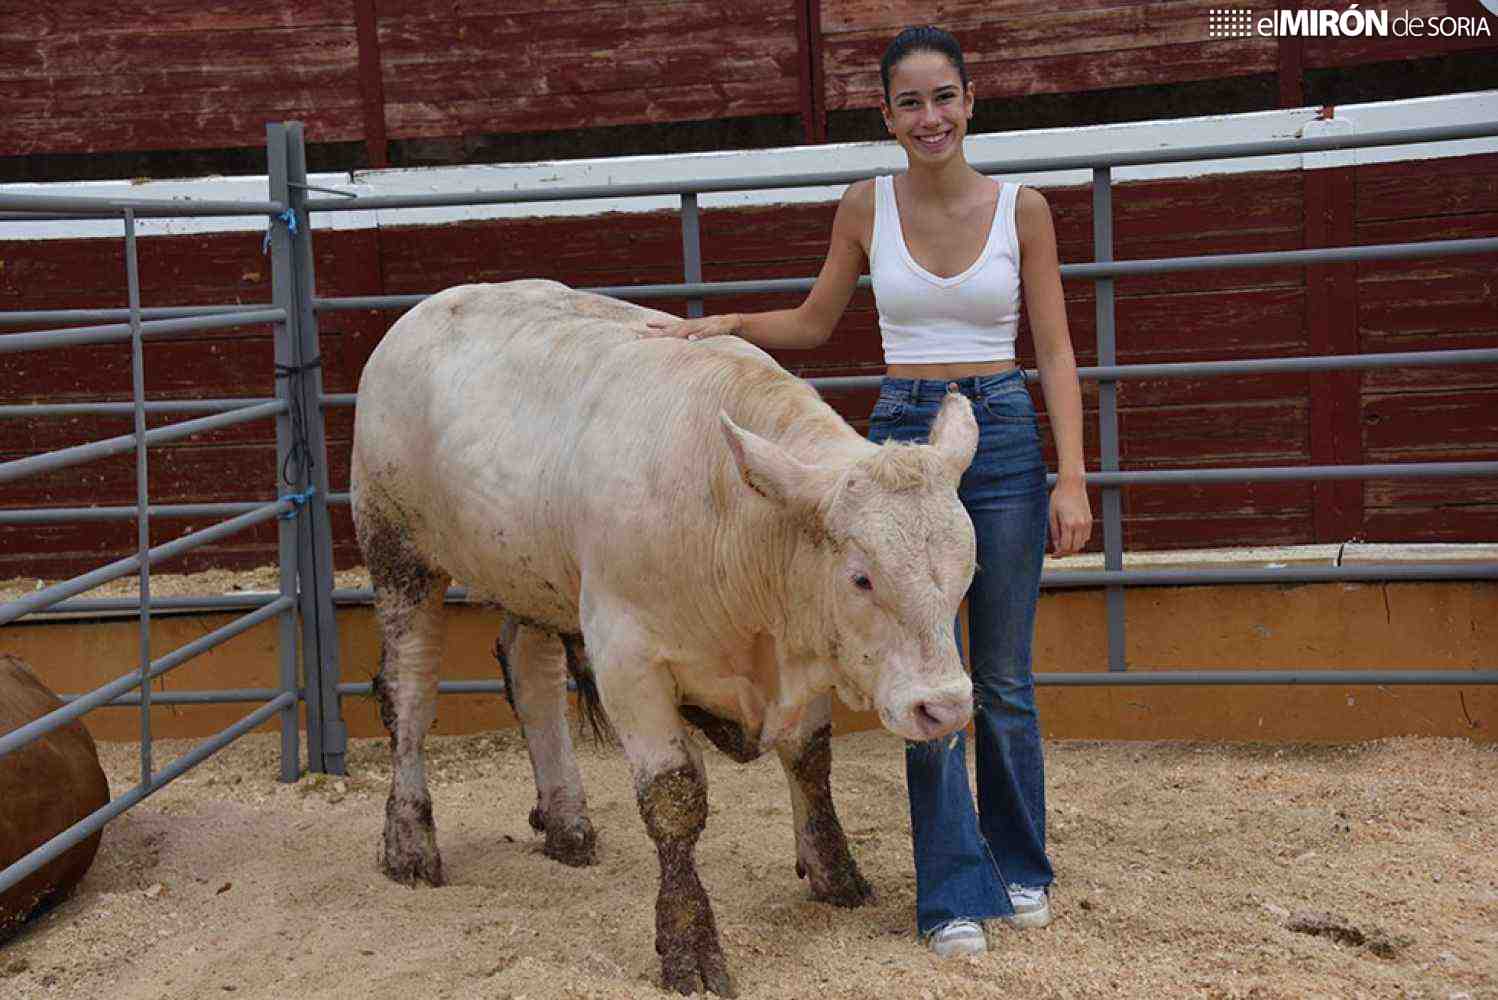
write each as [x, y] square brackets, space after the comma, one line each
[535, 666]
[408, 601]
[822, 854]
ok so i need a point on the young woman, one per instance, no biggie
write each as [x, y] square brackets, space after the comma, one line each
[949, 252]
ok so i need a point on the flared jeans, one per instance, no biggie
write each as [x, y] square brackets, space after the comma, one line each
[965, 858]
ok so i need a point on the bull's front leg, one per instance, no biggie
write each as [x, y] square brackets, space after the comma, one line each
[822, 854]
[673, 803]
[671, 789]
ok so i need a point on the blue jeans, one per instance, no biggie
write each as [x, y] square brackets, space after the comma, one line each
[964, 859]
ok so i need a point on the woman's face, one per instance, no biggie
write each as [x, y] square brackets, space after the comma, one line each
[928, 107]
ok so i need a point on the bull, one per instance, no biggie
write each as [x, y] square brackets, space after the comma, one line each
[685, 528]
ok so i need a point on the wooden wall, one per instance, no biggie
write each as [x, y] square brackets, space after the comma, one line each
[1405, 414]
[101, 76]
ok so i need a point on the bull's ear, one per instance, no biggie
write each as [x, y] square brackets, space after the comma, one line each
[770, 470]
[955, 434]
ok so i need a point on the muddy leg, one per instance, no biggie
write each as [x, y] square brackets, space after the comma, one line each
[822, 854]
[639, 695]
[408, 601]
[673, 804]
[537, 678]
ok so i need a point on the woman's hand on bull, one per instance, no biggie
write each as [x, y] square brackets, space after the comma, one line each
[694, 329]
[1071, 516]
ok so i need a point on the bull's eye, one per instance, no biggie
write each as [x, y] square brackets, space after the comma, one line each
[862, 582]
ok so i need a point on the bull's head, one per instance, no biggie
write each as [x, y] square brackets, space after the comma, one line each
[895, 555]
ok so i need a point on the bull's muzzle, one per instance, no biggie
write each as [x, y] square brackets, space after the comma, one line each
[929, 712]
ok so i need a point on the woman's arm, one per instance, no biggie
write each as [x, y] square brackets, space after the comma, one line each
[1040, 272]
[812, 322]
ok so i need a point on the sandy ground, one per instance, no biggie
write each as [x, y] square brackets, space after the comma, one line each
[1183, 870]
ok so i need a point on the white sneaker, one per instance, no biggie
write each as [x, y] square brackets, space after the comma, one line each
[1032, 907]
[958, 937]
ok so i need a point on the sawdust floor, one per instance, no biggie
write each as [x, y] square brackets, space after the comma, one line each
[1183, 871]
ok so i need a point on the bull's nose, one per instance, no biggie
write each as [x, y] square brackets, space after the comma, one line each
[938, 717]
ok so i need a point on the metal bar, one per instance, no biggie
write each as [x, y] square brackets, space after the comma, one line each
[79, 454]
[50, 316]
[70, 515]
[205, 602]
[70, 838]
[286, 547]
[348, 302]
[691, 249]
[1314, 363]
[83, 704]
[109, 333]
[1243, 366]
[142, 496]
[1279, 258]
[1107, 353]
[364, 595]
[443, 687]
[94, 822]
[1065, 578]
[286, 536]
[1085, 161]
[1157, 678]
[48, 596]
[1291, 473]
[1366, 572]
[226, 697]
[315, 556]
[1088, 271]
[336, 399]
[142, 207]
[26, 411]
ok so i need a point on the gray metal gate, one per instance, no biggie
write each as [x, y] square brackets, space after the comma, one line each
[305, 604]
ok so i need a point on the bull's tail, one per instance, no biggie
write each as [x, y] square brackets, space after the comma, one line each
[581, 672]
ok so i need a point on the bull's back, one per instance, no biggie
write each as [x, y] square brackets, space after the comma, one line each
[506, 429]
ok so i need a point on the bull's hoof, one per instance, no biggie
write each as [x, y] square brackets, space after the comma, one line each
[680, 972]
[408, 853]
[850, 889]
[537, 820]
[844, 885]
[411, 867]
[571, 842]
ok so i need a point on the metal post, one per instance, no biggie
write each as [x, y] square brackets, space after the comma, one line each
[286, 530]
[691, 249]
[142, 494]
[315, 531]
[1107, 355]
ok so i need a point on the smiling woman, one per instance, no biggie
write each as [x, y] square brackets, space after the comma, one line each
[952, 254]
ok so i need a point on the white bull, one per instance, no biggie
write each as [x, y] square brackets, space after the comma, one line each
[726, 548]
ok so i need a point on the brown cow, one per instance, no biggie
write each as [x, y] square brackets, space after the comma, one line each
[45, 787]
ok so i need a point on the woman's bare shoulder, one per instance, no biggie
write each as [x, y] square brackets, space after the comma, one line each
[859, 196]
[1032, 215]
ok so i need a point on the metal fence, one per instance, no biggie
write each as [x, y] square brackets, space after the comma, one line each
[305, 605]
[298, 503]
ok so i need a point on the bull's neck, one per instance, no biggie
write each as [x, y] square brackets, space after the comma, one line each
[785, 560]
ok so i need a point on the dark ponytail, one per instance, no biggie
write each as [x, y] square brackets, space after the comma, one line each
[927, 38]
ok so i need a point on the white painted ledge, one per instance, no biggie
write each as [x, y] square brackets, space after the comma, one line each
[1280, 557]
[871, 157]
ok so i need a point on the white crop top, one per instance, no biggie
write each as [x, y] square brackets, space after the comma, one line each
[972, 316]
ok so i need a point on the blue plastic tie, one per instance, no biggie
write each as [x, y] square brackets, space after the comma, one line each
[288, 217]
[300, 500]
